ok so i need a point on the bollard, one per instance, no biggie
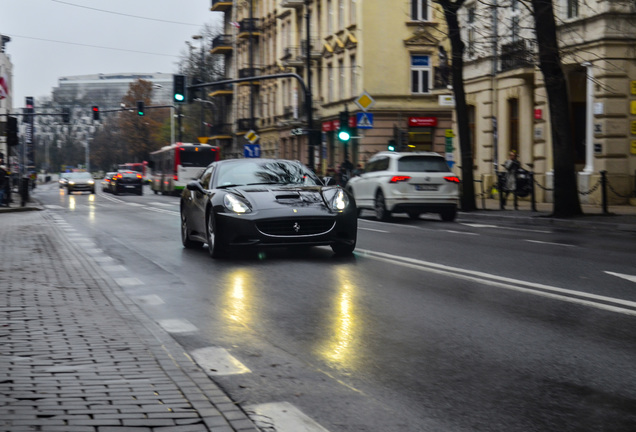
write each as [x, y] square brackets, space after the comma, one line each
[533, 200]
[604, 190]
[24, 191]
[500, 185]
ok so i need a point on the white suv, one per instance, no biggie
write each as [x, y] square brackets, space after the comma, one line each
[412, 183]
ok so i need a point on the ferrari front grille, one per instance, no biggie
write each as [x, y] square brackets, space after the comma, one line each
[295, 227]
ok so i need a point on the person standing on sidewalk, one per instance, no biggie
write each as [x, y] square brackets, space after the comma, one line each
[511, 165]
[4, 178]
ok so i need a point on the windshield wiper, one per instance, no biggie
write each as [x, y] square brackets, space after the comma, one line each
[228, 186]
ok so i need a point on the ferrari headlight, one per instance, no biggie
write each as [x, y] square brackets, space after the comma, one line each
[235, 204]
[339, 201]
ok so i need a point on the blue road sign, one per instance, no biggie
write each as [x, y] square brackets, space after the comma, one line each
[252, 150]
[364, 120]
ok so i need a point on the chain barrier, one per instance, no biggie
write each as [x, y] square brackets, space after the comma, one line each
[592, 189]
[609, 185]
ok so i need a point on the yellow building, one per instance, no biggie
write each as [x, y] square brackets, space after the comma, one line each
[508, 107]
[385, 65]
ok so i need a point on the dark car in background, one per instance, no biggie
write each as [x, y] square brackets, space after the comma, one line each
[127, 182]
[80, 182]
[106, 181]
[256, 203]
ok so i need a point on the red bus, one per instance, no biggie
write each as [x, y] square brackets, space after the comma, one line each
[173, 166]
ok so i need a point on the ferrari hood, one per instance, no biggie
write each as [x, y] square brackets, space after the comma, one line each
[263, 197]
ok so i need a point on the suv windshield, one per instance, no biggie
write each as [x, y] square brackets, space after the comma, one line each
[422, 164]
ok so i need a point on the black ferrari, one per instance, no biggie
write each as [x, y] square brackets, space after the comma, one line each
[257, 203]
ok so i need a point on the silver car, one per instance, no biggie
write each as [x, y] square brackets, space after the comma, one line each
[80, 181]
[406, 182]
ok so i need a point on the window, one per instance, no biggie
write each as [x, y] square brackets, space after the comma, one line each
[573, 8]
[354, 76]
[420, 74]
[419, 10]
[341, 14]
[329, 16]
[341, 79]
[514, 25]
[352, 12]
[513, 110]
[329, 83]
[470, 40]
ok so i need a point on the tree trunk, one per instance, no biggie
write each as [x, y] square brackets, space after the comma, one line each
[566, 196]
[461, 109]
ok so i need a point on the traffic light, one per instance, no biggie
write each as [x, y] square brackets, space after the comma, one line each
[140, 108]
[391, 145]
[344, 133]
[194, 93]
[12, 131]
[179, 88]
[95, 112]
[66, 115]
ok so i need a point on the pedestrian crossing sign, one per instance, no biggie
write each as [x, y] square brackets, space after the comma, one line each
[364, 120]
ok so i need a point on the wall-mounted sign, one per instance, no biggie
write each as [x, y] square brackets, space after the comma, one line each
[598, 148]
[538, 114]
[422, 121]
[599, 108]
[632, 148]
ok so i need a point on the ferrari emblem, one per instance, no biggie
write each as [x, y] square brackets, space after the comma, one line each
[296, 226]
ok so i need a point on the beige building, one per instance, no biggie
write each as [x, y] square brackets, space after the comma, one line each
[389, 56]
[507, 99]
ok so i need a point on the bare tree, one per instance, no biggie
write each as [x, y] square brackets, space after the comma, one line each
[450, 9]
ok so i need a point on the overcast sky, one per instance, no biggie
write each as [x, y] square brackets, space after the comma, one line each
[55, 38]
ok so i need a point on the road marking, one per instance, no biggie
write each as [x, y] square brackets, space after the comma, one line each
[218, 361]
[159, 210]
[374, 230]
[130, 281]
[282, 417]
[164, 204]
[151, 299]
[461, 232]
[506, 228]
[549, 243]
[178, 326]
[592, 300]
[115, 269]
[630, 278]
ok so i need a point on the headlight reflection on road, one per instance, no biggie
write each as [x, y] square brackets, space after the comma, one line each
[338, 348]
[237, 296]
[91, 208]
[71, 202]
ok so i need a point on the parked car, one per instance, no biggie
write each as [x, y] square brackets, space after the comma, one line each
[127, 182]
[106, 181]
[80, 181]
[403, 182]
[255, 203]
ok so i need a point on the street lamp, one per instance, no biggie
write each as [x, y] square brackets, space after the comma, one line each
[200, 75]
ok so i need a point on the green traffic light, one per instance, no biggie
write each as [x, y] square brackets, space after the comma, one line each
[179, 97]
[344, 135]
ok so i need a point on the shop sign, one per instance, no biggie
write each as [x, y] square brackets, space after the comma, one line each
[327, 126]
[422, 121]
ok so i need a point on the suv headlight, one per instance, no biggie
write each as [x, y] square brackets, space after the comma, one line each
[339, 201]
[236, 204]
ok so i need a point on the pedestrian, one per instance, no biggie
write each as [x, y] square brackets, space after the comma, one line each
[511, 165]
[4, 178]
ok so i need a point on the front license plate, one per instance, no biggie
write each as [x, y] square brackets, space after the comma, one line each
[423, 187]
[130, 187]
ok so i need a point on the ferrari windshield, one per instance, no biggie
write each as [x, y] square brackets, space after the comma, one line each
[253, 172]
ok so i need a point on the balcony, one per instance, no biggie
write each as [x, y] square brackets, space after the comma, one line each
[221, 5]
[220, 131]
[296, 4]
[221, 90]
[244, 125]
[249, 26]
[249, 72]
[516, 55]
[221, 44]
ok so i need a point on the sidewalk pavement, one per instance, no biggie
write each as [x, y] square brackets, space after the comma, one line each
[78, 355]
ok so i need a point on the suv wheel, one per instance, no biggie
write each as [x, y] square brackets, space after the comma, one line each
[448, 215]
[381, 213]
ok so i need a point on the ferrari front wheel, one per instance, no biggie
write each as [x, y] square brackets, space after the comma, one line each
[216, 247]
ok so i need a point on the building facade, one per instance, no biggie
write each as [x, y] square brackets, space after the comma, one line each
[6, 93]
[387, 66]
[507, 100]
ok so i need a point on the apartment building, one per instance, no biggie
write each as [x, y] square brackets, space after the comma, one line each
[394, 57]
[508, 104]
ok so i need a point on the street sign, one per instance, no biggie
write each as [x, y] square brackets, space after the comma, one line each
[252, 151]
[364, 120]
[297, 131]
[251, 136]
[365, 101]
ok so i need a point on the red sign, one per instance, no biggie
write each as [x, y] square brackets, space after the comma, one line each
[538, 114]
[422, 121]
[327, 126]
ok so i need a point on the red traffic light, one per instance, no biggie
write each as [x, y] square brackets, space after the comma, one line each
[95, 112]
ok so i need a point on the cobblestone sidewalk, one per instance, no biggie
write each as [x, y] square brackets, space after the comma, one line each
[76, 355]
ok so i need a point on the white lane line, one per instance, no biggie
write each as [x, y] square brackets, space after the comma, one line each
[282, 417]
[152, 299]
[130, 281]
[461, 232]
[630, 278]
[164, 204]
[506, 228]
[549, 243]
[115, 269]
[218, 361]
[158, 210]
[178, 326]
[578, 297]
[374, 230]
